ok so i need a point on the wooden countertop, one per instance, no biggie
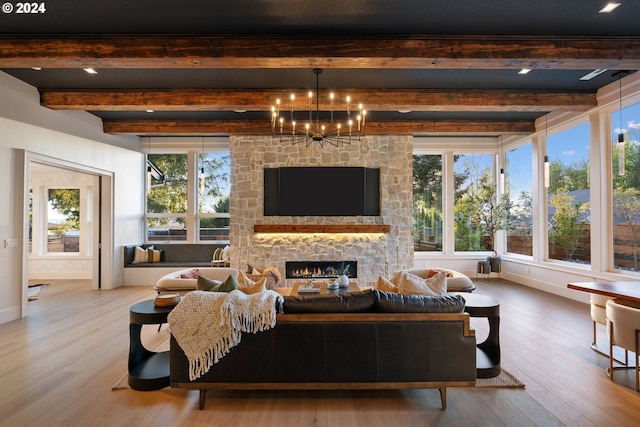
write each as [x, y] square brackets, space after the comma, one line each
[623, 290]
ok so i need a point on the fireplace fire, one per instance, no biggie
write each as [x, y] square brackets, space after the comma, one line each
[318, 269]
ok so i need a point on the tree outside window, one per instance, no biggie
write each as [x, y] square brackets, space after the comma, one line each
[626, 188]
[477, 212]
[519, 188]
[64, 220]
[214, 196]
[169, 201]
[427, 202]
[568, 195]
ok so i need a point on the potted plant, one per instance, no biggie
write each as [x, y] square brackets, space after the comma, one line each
[491, 215]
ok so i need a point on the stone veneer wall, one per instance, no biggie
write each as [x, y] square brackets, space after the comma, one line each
[377, 254]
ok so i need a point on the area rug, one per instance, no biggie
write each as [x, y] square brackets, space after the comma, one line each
[504, 380]
[123, 382]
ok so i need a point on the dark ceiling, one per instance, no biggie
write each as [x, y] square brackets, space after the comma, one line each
[474, 48]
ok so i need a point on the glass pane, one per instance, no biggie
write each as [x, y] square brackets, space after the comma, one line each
[427, 202]
[475, 202]
[214, 229]
[166, 229]
[519, 188]
[63, 218]
[214, 195]
[568, 195]
[215, 188]
[168, 190]
[626, 188]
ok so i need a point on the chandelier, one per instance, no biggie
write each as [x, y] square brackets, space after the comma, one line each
[302, 127]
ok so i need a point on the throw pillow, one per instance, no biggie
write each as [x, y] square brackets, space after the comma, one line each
[154, 255]
[385, 285]
[206, 284]
[252, 270]
[397, 276]
[140, 255]
[447, 273]
[193, 274]
[252, 287]
[212, 285]
[410, 284]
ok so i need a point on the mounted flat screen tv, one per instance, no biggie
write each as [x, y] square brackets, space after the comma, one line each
[321, 191]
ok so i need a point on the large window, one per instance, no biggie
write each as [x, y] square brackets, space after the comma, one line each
[519, 188]
[174, 212]
[475, 202]
[626, 188]
[213, 200]
[167, 197]
[427, 202]
[63, 220]
[568, 195]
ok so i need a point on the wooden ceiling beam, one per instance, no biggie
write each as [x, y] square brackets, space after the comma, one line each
[262, 100]
[305, 52]
[240, 127]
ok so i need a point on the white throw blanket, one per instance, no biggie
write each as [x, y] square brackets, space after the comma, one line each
[208, 324]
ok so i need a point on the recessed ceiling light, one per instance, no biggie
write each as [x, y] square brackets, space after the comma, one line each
[404, 111]
[239, 111]
[524, 71]
[149, 111]
[36, 68]
[90, 70]
[594, 73]
[610, 7]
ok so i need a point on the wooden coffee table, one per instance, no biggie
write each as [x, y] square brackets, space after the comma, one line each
[353, 287]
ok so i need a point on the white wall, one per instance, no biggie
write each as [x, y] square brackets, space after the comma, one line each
[76, 138]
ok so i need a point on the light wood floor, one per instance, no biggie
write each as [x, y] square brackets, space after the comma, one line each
[58, 365]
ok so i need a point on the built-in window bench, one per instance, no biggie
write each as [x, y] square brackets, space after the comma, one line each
[175, 256]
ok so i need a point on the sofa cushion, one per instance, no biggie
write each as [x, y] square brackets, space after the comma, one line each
[348, 302]
[410, 284]
[391, 302]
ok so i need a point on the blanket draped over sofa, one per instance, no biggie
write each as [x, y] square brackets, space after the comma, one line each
[208, 324]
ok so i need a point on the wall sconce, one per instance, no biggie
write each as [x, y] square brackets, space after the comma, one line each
[621, 156]
[202, 178]
[149, 175]
[502, 188]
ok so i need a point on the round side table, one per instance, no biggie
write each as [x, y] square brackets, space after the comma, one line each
[488, 351]
[148, 370]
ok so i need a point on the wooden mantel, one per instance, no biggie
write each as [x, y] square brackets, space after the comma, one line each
[321, 228]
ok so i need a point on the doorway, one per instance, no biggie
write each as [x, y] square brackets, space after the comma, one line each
[86, 252]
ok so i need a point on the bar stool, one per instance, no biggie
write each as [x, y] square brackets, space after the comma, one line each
[623, 330]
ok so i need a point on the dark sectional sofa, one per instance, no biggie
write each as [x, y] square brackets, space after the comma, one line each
[360, 340]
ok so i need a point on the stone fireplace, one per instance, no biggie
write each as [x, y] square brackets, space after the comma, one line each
[376, 253]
